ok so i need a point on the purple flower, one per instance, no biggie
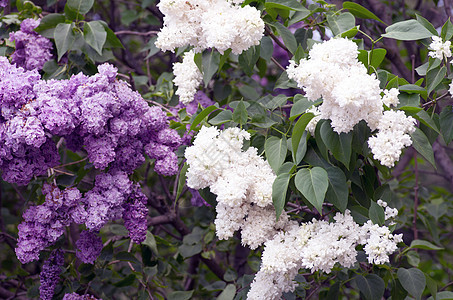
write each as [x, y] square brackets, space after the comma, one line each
[75, 296]
[32, 50]
[50, 274]
[89, 246]
[196, 199]
[135, 213]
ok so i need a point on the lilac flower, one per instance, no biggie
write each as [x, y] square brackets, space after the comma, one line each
[3, 3]
[50, 274]
[32, 50]
[89, 246]
[135, 212]
[75, 296]
[196, 199]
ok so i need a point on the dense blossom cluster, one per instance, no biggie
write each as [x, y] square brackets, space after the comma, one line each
[390, 97]
[318, 245]
[134, 215]
[32, 50]
[45, 223]
[242, 181]
[75, 296]
[3, 3]
[50, 274]
[187, 78]
[89, 246]
[393, 135]
[334, 73]
[99, 114]
[206, 24]
[439, 49]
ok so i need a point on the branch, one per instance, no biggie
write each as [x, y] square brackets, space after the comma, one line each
[152, 32]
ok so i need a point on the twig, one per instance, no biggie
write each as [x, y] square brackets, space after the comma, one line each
[152, 32]
[278, 64]
[414, 221]
[276, 40]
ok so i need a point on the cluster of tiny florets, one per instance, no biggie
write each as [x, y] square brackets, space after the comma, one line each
[242, 181]
[50, 274]
[206, 24]
[334, 74]
[439, 49]
[187, 78]
[318, 245]
[32, 50]
[75, 296]
[97, 114]
[89, 246]
[393, 135]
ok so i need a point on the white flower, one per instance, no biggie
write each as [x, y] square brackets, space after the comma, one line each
[242, 181]
[334, 74]
[393, 135]
[390, 97]
[187, 77]
[439, 49]
[209, 23]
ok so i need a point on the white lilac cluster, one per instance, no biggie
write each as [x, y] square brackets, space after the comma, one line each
[242, 181]
[187, 78]
[393, 135]
[334, 73]
[439, 49]
[206, 24]
[390, 97]
[311, 126]
[317, 245]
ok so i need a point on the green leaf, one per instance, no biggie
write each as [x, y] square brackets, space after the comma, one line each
[274, 102]
[279, 189]
[262, 121]
[444, 295]
[340, 23]
[413, 281]
[434, 77]
[286, 4]
[151, 47]
[223, 117]
[64, 38]
[228, 293]
[299, 130]
[126, 256]
[376, 214]
[313, 184]
[49, 22]
[373, 57]
[447, 31]
[421, 143]
[339, 145]
[446, 123]
[409, 30]
[181, 180]
[150, 241]
[337, 192]
[247, 59]
[180, 295]
[95, 35]
[80, 6]
[300, 106]
[371, 286]
[266, 48]
[425, 245]
[359, 11]
[426, 24]
[210, 65]
[127, 281]
[203, 114]
[288, 38]
[275, 149]
[240, 114]
[412, 88]
[426, 119]
[112, 40]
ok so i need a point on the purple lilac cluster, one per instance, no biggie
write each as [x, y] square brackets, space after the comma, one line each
[32, 50]
[45, 223]
[25, 148]
[3, 3]
[50, 274]
[134, 215]
[75, 296]
[98, 114]
[89, 246]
